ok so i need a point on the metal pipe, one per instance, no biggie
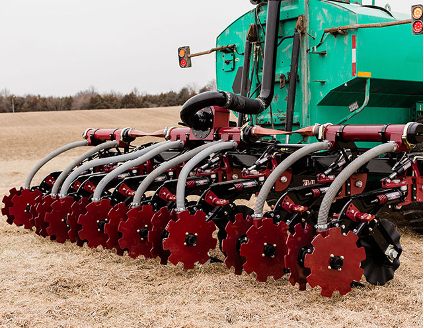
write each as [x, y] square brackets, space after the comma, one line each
[371, 25]
[49, 157]
[245, 76]
[293, 82]
[207, 52]
[191, 164]
[344, 175]
[78, 161]
[133, 163]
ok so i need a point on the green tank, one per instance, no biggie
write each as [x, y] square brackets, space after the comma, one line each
[349, 72]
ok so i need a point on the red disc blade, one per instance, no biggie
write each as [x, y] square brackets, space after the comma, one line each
[190, 239]
[21, 204]
[93, 222]
[135, 231]
[117, 214]
[265, 249]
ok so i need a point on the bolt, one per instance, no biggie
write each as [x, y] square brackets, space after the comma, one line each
[185, 244]
[369, 229]
[342, 257]
[234, 176]
[263, 255]
[186, 233]
[358, 184]
[329, 267]
[331, 255]
[283, 179]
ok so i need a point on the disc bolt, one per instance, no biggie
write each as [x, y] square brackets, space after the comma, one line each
[190, 240]
[143, 232]
[336, 262]
[283, 179]
[269, 250]
[358, 184]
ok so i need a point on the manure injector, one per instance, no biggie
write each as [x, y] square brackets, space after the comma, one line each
[324, 184]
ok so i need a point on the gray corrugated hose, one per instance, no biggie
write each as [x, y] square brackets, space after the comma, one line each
[163, 168]
[103, 161]
[50, 156]
[281, 168]
[191, 164]
[78, 161]
[344, 175]
[138, 161]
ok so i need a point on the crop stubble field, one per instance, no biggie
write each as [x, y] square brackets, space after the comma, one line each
[47, 284]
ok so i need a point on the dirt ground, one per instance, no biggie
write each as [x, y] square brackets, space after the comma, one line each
[46, 284]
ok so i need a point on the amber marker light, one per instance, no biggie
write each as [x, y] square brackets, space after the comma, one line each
[417, 13]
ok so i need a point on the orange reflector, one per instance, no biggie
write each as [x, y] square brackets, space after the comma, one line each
[182, 52]
[417, 13]
[364, 74]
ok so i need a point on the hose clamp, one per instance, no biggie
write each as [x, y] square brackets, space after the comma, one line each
[321, 227]
[321, 131]
[257, 216]
[405, 135]
[167, 132]
[84, 134]
[179, 210]
[124, 135]
[228, 96]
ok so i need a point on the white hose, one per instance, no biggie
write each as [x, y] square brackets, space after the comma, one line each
[133, 163]
[50, 156]
[103, 161]
[191, 164]
[78, 161]
[344, 175]
[281, 168]
[163, 168]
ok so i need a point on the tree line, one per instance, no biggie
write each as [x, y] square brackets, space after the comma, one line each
[91, 99]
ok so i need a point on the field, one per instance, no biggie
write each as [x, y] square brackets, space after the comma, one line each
[46, 284]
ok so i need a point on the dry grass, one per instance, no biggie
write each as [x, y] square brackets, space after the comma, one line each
[46, 284]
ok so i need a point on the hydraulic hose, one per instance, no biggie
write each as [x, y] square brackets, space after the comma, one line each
[344, 175]
[281, 168]
[50, 156]
[162, 169]
[78, 161]
[191, 113]
[133, 163]
[191, 164]
[103, 161]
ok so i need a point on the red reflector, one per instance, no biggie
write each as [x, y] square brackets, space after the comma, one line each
[183, 62]
[418, 26]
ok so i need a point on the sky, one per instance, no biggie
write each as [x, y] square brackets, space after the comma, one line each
[60, 47]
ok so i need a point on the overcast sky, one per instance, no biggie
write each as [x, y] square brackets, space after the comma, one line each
[59, 47]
